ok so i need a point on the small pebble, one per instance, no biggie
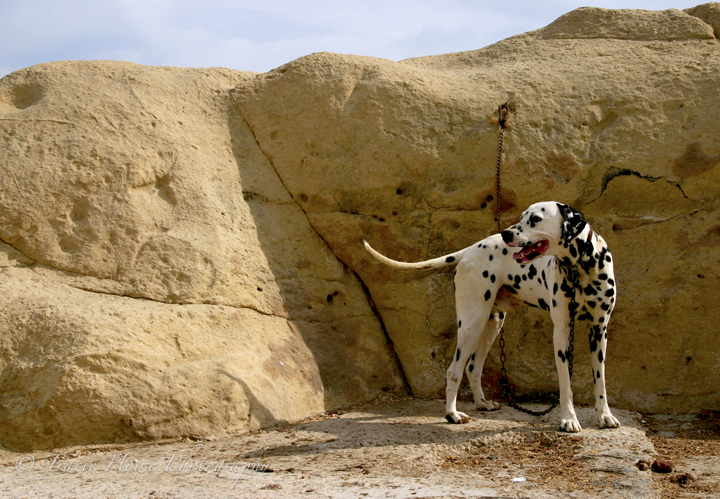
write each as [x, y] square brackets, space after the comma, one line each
[661, 466]
[684, 478]
[643, 465]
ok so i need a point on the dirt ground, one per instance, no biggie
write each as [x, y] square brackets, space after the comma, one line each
[393, 448]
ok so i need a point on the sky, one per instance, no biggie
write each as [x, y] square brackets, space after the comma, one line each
[261, 35]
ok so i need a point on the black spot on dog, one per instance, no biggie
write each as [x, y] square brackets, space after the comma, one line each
[568, 290]
[450, 259]
[605, 306]
[595, 336]
[459, 324]
[554, 303]
[573, 251]
[472, 357]
[457, 355]
[603, 277]
[517, 279]
[505, 251]
[471, 367]
[491, 257]
[492, 278]
[600, 356]
[611, 282]
[485, 273]
[555, 288]
[501, 315]
[543, 304]
[610, 292]
[561, 354]
[488, 294]
[589, 290]
[592, 304]
[532, 271]
[602, 258]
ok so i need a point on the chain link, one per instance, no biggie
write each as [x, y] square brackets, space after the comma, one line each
[504, 382]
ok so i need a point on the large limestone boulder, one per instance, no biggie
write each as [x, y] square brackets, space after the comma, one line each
[181, 248]
[614, 113]
[158, 279]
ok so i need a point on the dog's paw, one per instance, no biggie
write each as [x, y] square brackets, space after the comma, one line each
[570, 425]
[486, 405]
[457, 418]
[607, 420]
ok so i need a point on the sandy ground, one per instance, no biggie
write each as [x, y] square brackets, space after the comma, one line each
[393, 448]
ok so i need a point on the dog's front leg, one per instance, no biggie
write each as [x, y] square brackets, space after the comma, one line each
[598, 353]
[568, 419]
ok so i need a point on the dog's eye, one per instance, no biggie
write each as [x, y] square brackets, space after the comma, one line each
[535, 219]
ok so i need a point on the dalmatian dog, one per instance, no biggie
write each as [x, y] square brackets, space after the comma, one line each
[530, 263]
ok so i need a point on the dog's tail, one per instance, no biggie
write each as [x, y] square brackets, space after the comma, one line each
[435, 263]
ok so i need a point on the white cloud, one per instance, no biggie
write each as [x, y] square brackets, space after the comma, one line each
[258, 36]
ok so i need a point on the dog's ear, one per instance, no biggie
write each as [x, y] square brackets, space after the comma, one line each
[573, 223]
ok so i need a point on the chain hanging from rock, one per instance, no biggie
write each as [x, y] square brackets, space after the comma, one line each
[504, 382]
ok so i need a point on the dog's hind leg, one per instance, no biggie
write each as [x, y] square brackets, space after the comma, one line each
[468, 336]
[473, 303]
[474, 368]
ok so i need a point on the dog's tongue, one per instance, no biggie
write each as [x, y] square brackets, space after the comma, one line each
[538, 248]
[522, 254]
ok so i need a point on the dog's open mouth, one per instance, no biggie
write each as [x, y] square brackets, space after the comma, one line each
[532, 251]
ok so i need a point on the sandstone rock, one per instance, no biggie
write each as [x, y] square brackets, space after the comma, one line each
[613, 112]
[182, 248]
[594, 23]
[150, 242]
[709, 13]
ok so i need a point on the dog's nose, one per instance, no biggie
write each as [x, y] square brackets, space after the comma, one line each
[507, 235]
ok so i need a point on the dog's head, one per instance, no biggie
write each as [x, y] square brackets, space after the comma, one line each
[544, 228]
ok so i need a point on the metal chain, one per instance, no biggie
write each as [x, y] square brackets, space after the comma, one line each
[504, 382]
[503, 113]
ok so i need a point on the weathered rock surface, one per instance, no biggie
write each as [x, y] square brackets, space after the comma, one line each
[614, 112]
[182, 248]
[158, 278]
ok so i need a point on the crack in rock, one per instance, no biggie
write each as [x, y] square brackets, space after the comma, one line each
[614, 172]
